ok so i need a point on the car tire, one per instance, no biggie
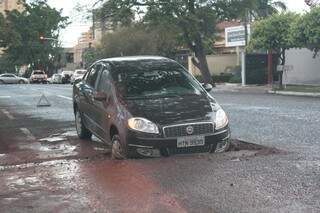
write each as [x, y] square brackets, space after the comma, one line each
[1, 82]
[120, 150]
[82, 131]
[21, 82]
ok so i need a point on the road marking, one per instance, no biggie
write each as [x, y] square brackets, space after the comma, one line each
[28, 134]
[7, 114]
[5, 97]
[65, 97]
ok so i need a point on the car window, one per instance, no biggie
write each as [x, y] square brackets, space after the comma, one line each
[93, 75]
[104, 82]
[8, 76]
[38, 73]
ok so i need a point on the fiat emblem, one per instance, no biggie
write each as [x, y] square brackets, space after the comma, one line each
[189, 130]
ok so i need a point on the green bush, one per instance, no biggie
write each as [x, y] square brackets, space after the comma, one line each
[222, 78]
[235, 80]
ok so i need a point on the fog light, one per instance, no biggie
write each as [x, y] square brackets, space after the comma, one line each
[222, 146]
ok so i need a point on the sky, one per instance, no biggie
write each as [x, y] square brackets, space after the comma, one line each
[69, 36]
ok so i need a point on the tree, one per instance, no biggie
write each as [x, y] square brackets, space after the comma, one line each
[195, 20]
[274, 33]
[20, 35]
[266, 8]
[306, 31]
[139, 40]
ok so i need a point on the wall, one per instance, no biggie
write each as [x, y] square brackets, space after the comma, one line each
[10, 5]
[306, 69]
[217, 63]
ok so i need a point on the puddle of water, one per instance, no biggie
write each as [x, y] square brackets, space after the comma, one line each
[70, 134]
[9, 200]
[31, 165]
[59, 137]
[53, 139]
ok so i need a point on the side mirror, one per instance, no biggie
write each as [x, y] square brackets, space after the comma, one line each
[100, 96]
[207, 87]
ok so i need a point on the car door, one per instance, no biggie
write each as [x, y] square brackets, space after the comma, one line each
[88, 91]
[14, 79]
[103, 109]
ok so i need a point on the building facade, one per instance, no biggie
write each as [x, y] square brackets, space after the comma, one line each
[85, 41]
[8, 5]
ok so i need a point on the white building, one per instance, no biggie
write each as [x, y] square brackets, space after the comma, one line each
[306, 69]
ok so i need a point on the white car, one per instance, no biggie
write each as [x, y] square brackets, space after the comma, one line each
[77, 74]
[56, 79]
[9, 78]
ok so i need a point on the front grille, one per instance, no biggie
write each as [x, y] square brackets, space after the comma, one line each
[181, 130]
[190, 150]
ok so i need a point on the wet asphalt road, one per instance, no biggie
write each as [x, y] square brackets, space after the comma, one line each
[45, 168]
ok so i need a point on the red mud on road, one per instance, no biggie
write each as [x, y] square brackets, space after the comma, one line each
[120, 186]
[82, 186]
[71, 175]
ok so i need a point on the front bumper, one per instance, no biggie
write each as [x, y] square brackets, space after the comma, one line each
[138, 140]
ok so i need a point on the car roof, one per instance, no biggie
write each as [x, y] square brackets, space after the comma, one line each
[135, 58]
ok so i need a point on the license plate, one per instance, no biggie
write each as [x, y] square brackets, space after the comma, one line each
[184, 142]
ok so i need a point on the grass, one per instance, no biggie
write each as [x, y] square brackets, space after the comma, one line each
[301, 88]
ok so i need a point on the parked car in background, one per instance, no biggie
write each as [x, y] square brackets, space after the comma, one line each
[38, 76]
[77, 75]
[9, 78]
[148, 105]
[66, 76]
[56, 79]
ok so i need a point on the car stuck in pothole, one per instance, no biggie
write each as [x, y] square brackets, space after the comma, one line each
[148, 105]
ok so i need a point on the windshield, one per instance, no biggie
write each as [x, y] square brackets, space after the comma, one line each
[159, 82]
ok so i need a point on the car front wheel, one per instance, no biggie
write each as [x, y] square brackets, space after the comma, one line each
[82, 131]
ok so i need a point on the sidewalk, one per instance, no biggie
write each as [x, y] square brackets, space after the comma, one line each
[290, 93]
[254, 89]
[238, 88]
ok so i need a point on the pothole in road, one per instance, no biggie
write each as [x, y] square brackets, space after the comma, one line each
[241, 150]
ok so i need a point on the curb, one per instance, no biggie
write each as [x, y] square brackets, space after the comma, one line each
[301, 94]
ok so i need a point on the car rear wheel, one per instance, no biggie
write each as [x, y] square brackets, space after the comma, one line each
[21, 82]
[82, 131]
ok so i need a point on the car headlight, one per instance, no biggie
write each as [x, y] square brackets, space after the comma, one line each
[143, 125]
[221, 119]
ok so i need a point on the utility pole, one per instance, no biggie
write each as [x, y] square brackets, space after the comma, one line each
[270, 67]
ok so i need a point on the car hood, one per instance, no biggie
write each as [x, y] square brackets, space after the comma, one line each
[172, 110]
